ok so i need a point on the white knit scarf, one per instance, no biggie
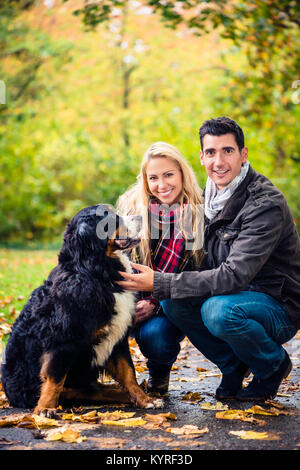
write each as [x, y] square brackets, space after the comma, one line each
[215, 200]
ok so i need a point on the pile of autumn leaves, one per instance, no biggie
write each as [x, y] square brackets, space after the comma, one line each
[69, 425]
[62, 429]
[69, 434]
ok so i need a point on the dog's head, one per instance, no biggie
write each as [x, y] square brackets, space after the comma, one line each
[98, 229]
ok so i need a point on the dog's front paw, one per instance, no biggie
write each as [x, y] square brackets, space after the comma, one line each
[156, 403]
[46, 412]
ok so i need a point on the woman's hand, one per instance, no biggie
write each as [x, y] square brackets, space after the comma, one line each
[143, 281]
[144, 310]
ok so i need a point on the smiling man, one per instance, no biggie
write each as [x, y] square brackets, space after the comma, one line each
[223, 158]
[245, 302]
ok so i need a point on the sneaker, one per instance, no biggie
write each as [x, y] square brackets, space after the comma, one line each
[265, 389]
[158, 384]
[232, 383]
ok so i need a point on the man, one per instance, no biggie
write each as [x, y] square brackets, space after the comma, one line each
[245, 302]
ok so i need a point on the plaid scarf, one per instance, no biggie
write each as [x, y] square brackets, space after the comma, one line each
[167, 250]
[169, 253]
[215, 200]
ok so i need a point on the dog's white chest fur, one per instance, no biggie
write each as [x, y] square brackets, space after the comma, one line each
[117, 328]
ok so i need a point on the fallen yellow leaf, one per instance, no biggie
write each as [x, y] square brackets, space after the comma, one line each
[209, 373]
[188, 429]
[255, 435]
[66, 435]
[42, 422]
[155, 418]
[154, 421]
[239, 414]
[9, 421]
[116, 415]
[259, 410]
[169, 415]
[27, 421]
[126, 422]
[90, 417]
[192, 396]
[275, 410]
[218, 406]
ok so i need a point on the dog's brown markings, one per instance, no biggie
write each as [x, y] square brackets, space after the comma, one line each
[121, 232]
[129, 391]
[110, 251]
[100, 333]
[50, 390]
[121, 371]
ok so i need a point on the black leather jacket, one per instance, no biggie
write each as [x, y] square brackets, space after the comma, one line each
[252, 244]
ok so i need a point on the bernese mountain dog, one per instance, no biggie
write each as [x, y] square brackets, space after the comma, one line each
[76, 324]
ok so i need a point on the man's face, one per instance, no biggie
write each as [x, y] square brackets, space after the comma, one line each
[222, 158]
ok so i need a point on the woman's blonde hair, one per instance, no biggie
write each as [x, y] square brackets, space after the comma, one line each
[136, 199]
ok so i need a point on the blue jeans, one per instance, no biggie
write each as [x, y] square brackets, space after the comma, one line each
[248, 327]
[159, 341]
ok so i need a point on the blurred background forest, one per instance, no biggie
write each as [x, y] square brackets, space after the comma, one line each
[86, 87]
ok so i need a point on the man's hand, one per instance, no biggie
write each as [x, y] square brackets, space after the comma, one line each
[143, 281]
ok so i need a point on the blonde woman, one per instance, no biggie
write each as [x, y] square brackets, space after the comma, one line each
[168, 198]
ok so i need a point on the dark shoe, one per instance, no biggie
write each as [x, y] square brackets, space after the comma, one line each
[158, 384]
[231, 384]
[265, 389]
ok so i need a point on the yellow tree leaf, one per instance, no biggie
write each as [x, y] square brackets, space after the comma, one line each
[42, 422]
[7, 421]
[66, 435]
[158, 419]
[219, 406]
[28, 421]
[116, 415]
[169, 416]
[160, 416]
[192, 396]
[188, 429]
[238, 414]
[126, 422]
[90, 417]
[255, 435]
[259, 410]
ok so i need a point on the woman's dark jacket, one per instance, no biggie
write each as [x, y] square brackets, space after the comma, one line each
[252, 244]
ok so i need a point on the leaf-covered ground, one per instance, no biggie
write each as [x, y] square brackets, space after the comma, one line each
[190, 419]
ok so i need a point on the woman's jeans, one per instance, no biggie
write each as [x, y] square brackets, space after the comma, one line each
[159, 341]
[247, 327]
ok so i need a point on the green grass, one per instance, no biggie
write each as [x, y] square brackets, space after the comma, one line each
[21, 271]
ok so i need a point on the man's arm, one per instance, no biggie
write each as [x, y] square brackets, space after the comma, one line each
[259, 235]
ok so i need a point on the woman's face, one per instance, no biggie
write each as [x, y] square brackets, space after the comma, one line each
[164, 179]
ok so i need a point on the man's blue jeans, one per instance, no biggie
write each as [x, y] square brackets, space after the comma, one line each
[159, 341]
[247, 327]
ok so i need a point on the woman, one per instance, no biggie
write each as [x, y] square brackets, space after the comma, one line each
[168, 198]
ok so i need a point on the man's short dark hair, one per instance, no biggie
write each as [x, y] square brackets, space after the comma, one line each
[220, 126]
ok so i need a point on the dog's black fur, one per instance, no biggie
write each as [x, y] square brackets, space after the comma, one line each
[52, 344]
